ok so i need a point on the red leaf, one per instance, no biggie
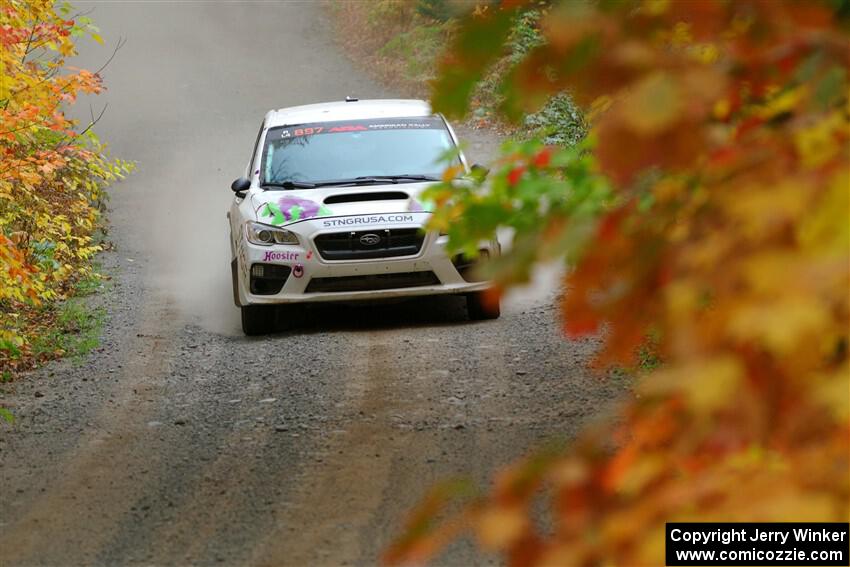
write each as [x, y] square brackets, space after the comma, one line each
[543, 158]
[515, 175]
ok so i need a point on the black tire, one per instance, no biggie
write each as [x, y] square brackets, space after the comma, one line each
[479, 309]
[258, 319]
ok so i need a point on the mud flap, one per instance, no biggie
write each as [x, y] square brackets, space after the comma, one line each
[235, 277]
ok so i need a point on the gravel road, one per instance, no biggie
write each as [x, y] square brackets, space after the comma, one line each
[181, 442]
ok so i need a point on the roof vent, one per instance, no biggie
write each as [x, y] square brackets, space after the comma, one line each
[351, 99]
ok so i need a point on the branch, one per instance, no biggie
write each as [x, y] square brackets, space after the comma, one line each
[121, 42]
[29, 42]
[93, 121]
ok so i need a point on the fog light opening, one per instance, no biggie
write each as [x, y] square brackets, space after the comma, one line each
[268, 279]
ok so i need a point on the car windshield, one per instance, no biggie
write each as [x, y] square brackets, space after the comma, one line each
[356, 149]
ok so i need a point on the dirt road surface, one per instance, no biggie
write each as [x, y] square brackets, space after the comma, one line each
[181, 442]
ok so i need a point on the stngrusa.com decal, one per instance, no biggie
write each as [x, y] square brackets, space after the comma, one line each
[370, 219]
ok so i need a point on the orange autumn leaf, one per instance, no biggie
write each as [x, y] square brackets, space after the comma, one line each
[723, 129]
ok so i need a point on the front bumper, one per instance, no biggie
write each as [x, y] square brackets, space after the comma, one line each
[428, 272]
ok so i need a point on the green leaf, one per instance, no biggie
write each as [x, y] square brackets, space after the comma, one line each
[7, 415]
[831, 87]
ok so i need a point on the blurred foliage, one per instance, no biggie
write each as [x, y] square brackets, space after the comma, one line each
[406, 38]
[708, 210]
[559, 122]
[525, 34]
[52, 174]
[439, 10]
[393, 40]
[389, 15]
[532, 191]
[416, 49]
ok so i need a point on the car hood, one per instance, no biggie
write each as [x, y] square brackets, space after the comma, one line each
[282, 207]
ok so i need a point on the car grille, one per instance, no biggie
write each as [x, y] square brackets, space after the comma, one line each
[365, 244]
[372, 282]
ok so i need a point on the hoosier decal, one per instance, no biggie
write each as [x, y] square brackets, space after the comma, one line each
[273, 255]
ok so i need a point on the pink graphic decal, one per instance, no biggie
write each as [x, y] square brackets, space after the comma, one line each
[309, 254]
[296, 208]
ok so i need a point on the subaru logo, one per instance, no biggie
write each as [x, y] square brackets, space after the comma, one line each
[369, 239]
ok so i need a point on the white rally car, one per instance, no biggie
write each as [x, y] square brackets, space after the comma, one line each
[330, 209]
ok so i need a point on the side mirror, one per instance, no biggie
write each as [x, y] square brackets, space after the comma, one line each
[241, 185]
[478, 171]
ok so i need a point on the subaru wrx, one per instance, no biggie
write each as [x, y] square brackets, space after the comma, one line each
[330, 208]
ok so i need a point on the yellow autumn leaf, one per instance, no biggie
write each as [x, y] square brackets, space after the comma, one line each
[760, 210]
[499, 527]
[682, 299]
[833, 392]
[782, 324]
[826, 227]
[781, 102]
[818, 144]
[653, 105]
[643, 471]
[790, 502]
[655, 7]
[772, 271]
[651, 545]
[706, 384]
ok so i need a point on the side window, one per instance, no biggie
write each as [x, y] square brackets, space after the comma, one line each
[251, 168]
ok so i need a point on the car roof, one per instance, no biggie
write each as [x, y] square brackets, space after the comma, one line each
[351, 109]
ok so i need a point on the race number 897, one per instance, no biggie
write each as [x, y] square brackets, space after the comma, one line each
[307, 131]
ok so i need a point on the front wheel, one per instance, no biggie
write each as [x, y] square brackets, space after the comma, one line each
[479, 307]
[258, 319]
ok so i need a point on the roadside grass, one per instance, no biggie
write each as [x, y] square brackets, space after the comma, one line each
[648, 358]
[76, 333]
[78, 326]
[92, 283]
[69, 328]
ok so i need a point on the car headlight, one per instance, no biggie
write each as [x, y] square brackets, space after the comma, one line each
[266, 235]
